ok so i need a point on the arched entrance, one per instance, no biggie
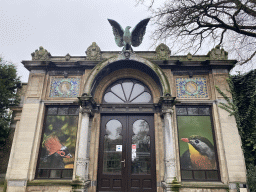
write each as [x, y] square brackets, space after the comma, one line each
[127, 142]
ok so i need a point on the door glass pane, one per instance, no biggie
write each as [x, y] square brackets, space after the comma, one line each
[141, 160]
[112, 148]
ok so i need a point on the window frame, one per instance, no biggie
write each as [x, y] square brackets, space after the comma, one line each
[40, 146]
[214, 141]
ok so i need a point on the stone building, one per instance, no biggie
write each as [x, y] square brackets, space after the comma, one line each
[125, 121]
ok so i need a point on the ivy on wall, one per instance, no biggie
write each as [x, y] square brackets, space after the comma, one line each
[243, 107]
[243, 89]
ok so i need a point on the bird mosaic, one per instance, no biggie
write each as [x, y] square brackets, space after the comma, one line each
[127, 39]
[200, 154]
[56, 153]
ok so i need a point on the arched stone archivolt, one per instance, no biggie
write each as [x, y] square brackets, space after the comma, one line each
[127, 73]
[155, 68]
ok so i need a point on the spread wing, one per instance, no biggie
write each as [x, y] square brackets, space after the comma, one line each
[138, 32]
[118, 32]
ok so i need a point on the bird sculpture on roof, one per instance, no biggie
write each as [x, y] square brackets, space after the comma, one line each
[200, 154]
[125, 38]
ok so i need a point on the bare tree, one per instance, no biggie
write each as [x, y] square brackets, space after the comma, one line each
[191, 23]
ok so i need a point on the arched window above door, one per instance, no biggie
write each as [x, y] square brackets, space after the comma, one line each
[127, 91]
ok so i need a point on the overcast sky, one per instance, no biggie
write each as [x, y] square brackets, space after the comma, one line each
[66, 26]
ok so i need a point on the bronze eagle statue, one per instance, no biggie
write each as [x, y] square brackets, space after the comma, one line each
[125, 38]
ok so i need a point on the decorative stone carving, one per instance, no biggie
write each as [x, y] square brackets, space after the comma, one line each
[218, 54]
[41, 54]
[67, 57]
[162, 52]
[166, 103]
[189, 56]
[87, 103]
[93, 52]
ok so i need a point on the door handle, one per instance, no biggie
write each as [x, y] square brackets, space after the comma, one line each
[123, 162]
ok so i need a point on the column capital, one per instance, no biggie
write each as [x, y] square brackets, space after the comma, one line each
[87, 103]
[166, 103]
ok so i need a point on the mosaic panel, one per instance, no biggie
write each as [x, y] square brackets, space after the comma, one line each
[64, 87]
[191, 87]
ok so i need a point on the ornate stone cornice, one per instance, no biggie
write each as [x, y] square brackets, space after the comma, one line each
[88, 104]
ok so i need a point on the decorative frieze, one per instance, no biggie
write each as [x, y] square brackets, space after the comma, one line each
[195, 87]
[64, 87]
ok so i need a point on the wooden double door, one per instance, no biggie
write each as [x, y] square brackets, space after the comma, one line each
[127, 154]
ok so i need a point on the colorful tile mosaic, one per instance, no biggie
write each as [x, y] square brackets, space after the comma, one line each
[64, 87]
[191, 87]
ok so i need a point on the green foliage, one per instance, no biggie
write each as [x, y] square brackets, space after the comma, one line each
[243, 107]
[244, 98]
[9, 82]
[251, 177]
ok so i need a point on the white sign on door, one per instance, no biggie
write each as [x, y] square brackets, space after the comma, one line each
[118, 147]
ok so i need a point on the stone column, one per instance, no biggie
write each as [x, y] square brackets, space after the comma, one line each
[82, 159]
[170, 183]
[170, 161]
[82, 182]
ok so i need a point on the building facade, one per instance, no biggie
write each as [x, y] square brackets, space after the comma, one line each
[125, 121]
